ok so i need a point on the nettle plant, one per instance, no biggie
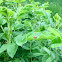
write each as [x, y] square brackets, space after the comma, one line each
[28, 33]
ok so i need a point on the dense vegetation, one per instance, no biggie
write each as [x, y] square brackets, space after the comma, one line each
[54, 5]
[29, 33]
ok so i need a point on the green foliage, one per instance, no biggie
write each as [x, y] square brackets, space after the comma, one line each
[28, 33]
[20, 40]
[11, 49]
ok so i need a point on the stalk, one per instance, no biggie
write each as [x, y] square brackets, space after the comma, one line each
[9, 31]
[30, 50]
[2, 29]
[9, 37]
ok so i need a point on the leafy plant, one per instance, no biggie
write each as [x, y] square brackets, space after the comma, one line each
[28, 33]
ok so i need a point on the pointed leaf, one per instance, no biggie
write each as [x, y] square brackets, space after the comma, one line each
[47, 50]
[50, 59]
[54, 31]
[56, 45]
[40, 35]
[11, 49]
[44, 58]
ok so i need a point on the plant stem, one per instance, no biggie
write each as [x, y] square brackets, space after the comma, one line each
[9, 31]
[30, 50]
[2, 29]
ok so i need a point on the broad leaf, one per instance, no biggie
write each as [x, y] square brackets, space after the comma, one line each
[40, 35]
[18, 25]
[56, 45]
[11, 49]
[54, 32]
[10, 12]
[20, 40]
[3, 48]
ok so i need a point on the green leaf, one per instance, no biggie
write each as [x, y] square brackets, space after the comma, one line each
[3, 10]
[40, 35]
[17, 1]
[3, 48]
[47, 50]
[2, 21]
[50, 59]
[1, 34]
[48, 11]
[45, 5]
[20, 40]
[56, 45]
[54, 32]
[10, 12]
[18, 25]
[10, 61]
[57, 17]
[1, 1]
[22, 60]
[17, 60]
[56, 40]
[31, 0]
[11, 49]
[44, 58]
[22, 1]
[36, 53]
